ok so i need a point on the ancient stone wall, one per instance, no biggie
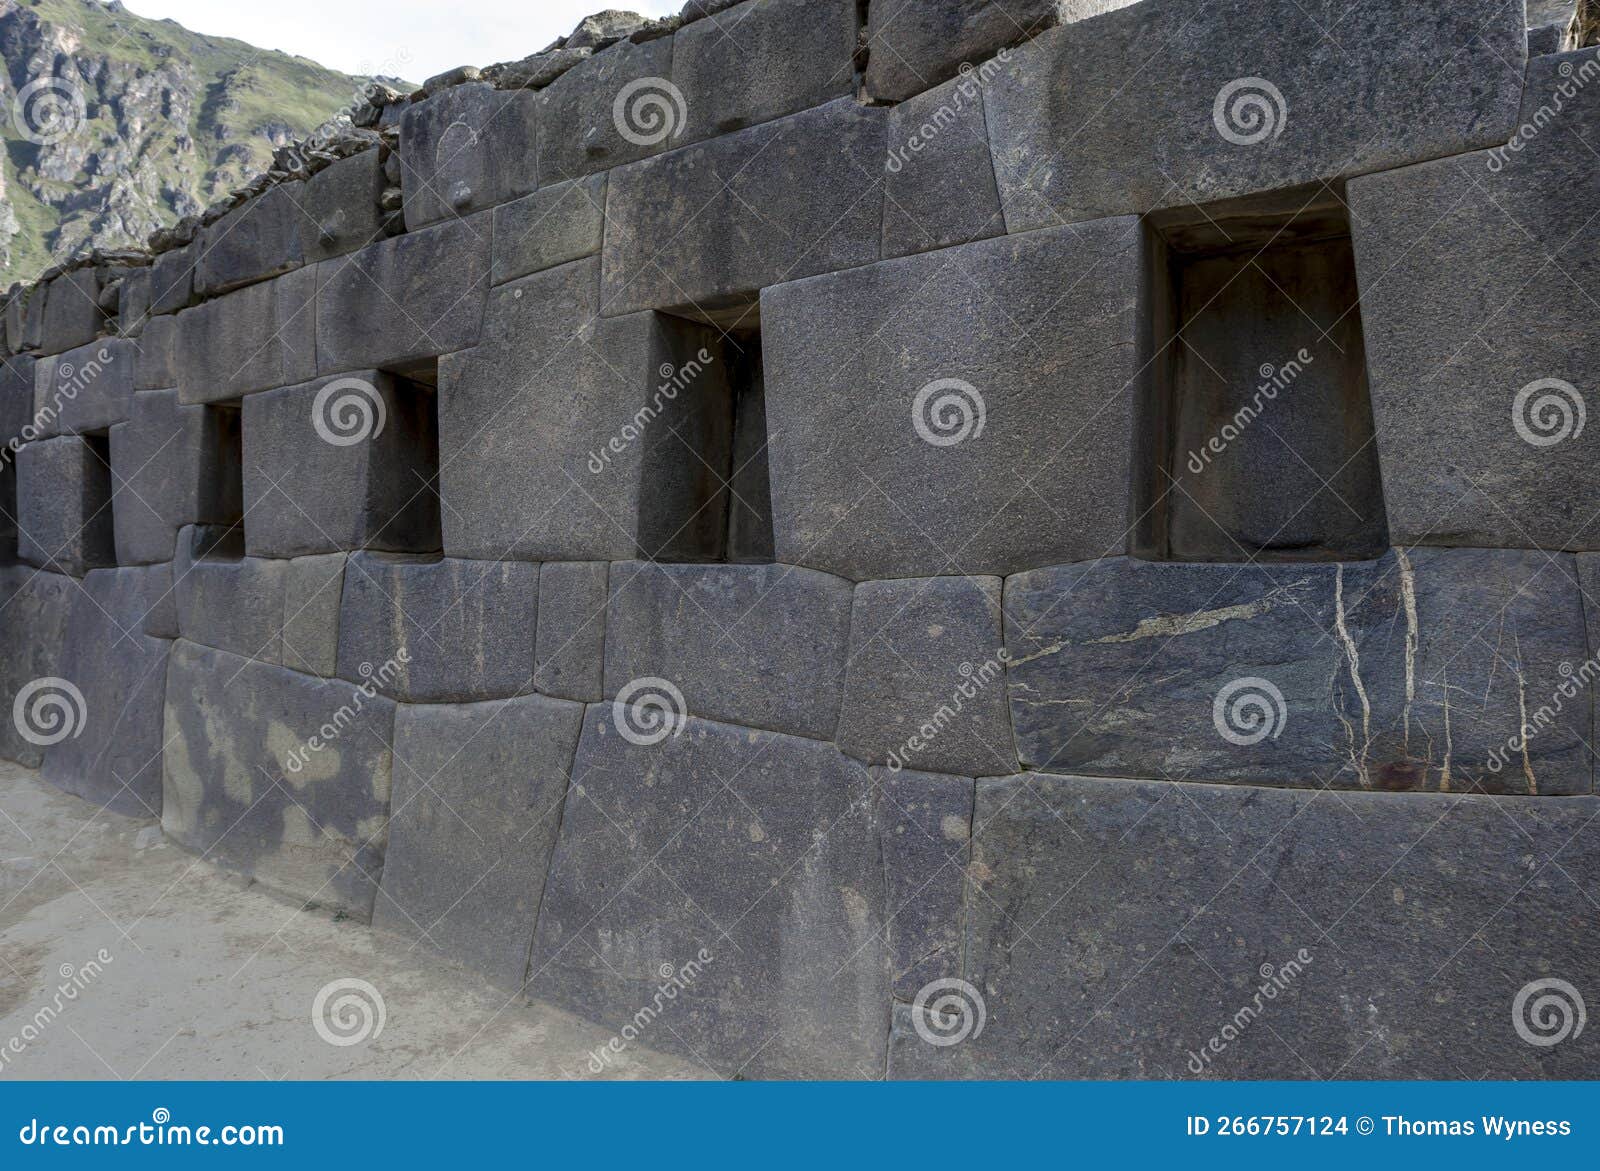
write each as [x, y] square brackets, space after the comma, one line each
[1076, 510]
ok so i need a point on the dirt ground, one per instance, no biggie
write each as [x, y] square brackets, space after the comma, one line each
[211, 977]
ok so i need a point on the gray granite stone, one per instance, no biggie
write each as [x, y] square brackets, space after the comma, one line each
[95, 383]
[225, 600]
[1074, 141]
[155, 361]
[467, 148]
[256, 240]
[926, 822]
[172, 279]
[550, 227]
[478, 792]
[16, 401]
[939, 186]
[758, 645]
[1121, 929]
[168, 470]
[133, 302]
[64, 518]
[257, 338]
[440, 630]
[570, 636]
[33, 615]
[1414, 672]
[869, 434]
[47, 405]
[280, 776]
[312, 590]
[340, 210]
[925, 685]
[580, 130]
[72, 314]
[714, 223]
[766, 839]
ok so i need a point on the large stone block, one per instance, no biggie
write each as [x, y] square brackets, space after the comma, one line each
[760, 60]
[1117, 930]
[570, 635]
[403, 301]
[313, 588]
[64, 518]
[16, 402]
[168, 470]
[565, 437]
[341, 463]
[587, 124]
[751, 854]
[172, 279]
[113, 756]
[225, 600]
[926, 821]
[72, 313]
[33, 614]
[261, 336]
[1418, 671]
[467, 148]
[340, 209]
[439, 631]
[1238, 100]
[133, 302]
[939, 186]
[278, 775]
[714, 223]
[1008, 367]
[95, 384]
[478, 793]
[550, 227]
[925, 686]
[758, 645]
[258, 239]
[1476, 276]
[47, 404]
[155, 365]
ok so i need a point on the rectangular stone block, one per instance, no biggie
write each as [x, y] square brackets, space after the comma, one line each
[168, 470]
[228, 601]
[341, 463]
[926, 822]
[939, 186]
[403, 301]
[340, 211]
[33, 614]
[570, 635]
[155, 362]
[715, 223]
[439, 631]
[1266, 933]
[478, 793]
[257, 338]
[760, 60]
[64, 518]
[112, 758]
[1476, 275]
[1418, 671]
[580, 131]
[925, 686]
[95, 384]
[758, 645]
[133, 302]
[172, 279]
[258, 239]
[16, 401]
[312, 590]
[550, 227]
[72, 314]
[752, 855]
[47, 404]
[467, 148]
[563, 437]
[887, 385]
[1238, 107]
[278, 775]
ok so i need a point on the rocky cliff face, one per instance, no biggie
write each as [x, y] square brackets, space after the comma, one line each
[115, 125]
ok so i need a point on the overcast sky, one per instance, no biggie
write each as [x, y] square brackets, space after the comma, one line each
[413, 39]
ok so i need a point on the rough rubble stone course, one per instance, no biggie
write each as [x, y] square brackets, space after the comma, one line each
[465, 149]
[166, 472]
[768, 838]
[758, 645]
[33, 615]
[550, 227]
[64, 516]
[1412, 672]
[570, 635]
[478, 793]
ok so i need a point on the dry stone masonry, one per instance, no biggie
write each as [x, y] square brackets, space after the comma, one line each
[995, 530]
